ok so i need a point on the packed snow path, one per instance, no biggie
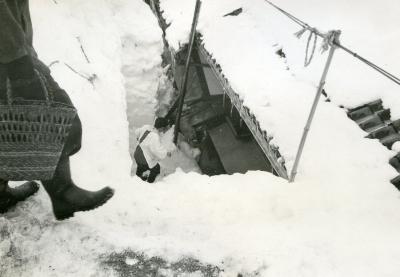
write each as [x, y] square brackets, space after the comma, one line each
[374, 119]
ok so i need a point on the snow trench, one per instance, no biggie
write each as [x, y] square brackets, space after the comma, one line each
[147, 94]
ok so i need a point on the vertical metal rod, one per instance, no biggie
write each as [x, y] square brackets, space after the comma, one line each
[313, 108]
[186, 73]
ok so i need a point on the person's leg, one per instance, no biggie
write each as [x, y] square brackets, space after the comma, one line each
[9, 197]
[3, 185]
[20, 72]
[154, 173]
[6, 202]
[67, 198]
[140, 170]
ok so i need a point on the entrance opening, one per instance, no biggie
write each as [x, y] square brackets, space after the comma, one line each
[212, 123]
[213, 119]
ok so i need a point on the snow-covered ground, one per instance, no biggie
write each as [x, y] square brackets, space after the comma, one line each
[341, 218]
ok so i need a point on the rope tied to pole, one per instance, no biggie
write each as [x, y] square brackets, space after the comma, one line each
[307, 60]
[333, 42]
[331, 39]
[313, 33]
[330, 42]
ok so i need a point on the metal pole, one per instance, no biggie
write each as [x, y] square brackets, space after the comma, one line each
[314, 106]
[153, 7]
[186, 73]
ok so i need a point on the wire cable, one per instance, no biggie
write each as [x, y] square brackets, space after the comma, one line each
[305, 26]
[369, 63]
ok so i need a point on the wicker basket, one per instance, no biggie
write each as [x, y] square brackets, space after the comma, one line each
[32, 136]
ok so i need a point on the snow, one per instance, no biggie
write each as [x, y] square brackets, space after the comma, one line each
[396, 146]
[340, 218]
[260, 30]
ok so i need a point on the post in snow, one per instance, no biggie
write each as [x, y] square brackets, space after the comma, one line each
[186, 73]
[333, 39]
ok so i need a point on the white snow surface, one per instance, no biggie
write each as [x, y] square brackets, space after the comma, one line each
[341, 217]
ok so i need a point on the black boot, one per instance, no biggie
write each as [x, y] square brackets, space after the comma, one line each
[67, 198]
[11, 196]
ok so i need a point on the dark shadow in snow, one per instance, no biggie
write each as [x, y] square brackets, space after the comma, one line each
[130, 263]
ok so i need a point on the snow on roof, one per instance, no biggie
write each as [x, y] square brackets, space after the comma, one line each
[280, 91]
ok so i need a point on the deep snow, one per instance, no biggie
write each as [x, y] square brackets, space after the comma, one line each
[340, 219]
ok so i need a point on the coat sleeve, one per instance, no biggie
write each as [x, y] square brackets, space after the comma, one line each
[156, 148]
[12, 37]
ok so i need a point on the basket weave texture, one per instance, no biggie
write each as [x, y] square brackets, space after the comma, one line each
[32, 137]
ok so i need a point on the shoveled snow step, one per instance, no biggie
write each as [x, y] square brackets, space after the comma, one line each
[382, 132]
[365, 110]
[376, 121]
[377, 117]
[361, 113]
[396, 124]
[383, 115]
[376, 105]
[395, 162]
[390, 140]
[370, 122]
[396, 182]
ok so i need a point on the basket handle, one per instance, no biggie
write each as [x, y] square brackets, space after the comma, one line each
[42, 83]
